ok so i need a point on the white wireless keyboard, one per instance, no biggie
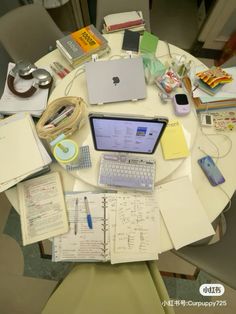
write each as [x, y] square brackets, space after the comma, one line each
[136, 173]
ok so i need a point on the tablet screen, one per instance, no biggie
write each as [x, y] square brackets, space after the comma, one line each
[126, 134]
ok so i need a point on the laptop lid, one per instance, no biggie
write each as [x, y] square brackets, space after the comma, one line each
[115, 80]
[129, 134]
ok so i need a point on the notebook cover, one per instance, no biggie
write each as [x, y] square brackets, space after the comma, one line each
[81, 43]
[173, 141]
[148, 43]
[130, 41]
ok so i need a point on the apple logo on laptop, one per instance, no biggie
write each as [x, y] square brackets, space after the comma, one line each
[116, 80]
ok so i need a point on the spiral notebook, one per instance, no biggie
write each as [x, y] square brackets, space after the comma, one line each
[125, 228]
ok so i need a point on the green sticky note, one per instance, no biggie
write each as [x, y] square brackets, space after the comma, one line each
[148, 43]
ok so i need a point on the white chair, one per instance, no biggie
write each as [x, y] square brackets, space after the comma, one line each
[4, 60]
[28, 32]
[218, 259]
[102, 288]
[105, 7]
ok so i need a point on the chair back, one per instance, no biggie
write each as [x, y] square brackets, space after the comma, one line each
[28, 32]
[218, 259]
[4, 60]
[105, 7]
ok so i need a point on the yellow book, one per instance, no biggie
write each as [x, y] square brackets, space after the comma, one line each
[173, 141]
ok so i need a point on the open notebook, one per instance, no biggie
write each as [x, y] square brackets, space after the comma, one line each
[125, 228]
[42, 208]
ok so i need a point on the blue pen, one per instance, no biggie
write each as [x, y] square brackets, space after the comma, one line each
[89, 217]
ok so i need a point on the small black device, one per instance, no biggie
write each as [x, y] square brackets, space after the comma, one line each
[130, 41]
[181, 104]
[206, 119]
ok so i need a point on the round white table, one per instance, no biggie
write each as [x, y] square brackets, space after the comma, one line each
[214, 199]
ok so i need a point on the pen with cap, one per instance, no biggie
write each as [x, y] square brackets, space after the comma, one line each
[66, 113]
[60, 111]
[89, 217]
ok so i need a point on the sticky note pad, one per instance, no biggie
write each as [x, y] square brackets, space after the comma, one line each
[173, 142]
[148, 43]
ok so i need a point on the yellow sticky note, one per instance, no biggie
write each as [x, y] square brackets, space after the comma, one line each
[173, 141]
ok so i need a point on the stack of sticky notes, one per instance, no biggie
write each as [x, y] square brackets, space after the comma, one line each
[211, 80]
[173, 142]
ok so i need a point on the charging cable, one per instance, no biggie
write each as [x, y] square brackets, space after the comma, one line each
[70, 84]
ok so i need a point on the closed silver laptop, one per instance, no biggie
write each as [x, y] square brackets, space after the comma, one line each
[115, 80]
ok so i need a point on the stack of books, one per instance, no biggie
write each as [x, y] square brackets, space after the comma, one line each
[125, 20]
[224, 98]
[78, 47]
[212, 80]
[200, 105]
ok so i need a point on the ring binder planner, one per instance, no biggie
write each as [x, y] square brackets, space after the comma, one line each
[105, 230]
[125, 228]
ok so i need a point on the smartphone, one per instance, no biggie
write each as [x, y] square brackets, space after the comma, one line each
[210, 169]
[181, 104]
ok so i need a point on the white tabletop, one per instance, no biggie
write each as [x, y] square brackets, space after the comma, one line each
[212, 198]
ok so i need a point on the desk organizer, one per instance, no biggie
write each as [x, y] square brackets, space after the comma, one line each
[69, 125]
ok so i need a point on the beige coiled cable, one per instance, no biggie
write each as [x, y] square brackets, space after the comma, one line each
[69, 125]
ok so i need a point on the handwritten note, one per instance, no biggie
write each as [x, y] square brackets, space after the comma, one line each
[125, 228]
[42, 208]
[81, 242]
[134, 227]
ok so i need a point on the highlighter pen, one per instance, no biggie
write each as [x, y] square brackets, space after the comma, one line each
[89, 217]
[61, 67]
[59, 73]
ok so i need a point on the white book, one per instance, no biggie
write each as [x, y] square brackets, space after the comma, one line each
[183, 213]
[22, 152]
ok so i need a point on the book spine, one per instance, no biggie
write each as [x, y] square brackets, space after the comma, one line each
[222, 107]
[64, 52]
[79, 44]
[100, 53]
[124, 25]
[105, 230]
